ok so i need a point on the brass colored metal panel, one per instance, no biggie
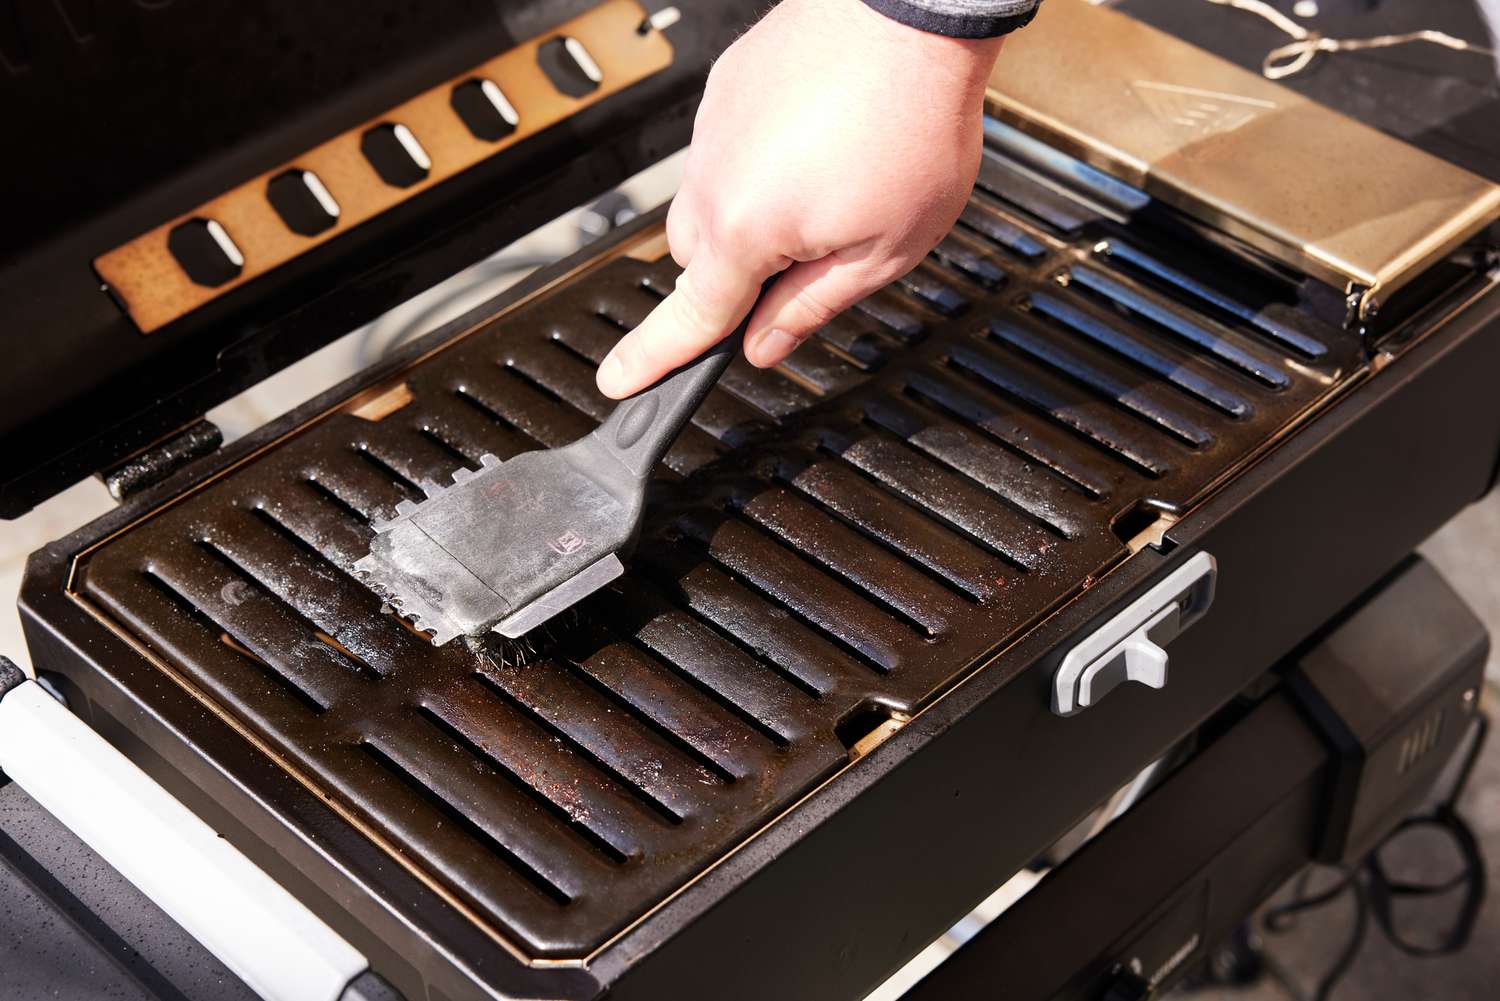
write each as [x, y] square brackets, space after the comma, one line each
[1291, 177]
[156, 290]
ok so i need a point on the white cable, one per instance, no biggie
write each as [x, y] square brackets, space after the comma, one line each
[1294, 57]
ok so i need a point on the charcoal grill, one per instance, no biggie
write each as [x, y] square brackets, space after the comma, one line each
[825, 680]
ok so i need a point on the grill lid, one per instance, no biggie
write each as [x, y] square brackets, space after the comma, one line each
[310, 166]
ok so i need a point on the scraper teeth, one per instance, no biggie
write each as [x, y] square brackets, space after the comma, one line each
[438, 634]
[387, 573]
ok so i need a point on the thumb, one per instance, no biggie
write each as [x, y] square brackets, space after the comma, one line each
[711, 298]
[803, 299]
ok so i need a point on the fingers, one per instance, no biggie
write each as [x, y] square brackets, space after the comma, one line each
[682, 230]
[803, 299]
[711, 298]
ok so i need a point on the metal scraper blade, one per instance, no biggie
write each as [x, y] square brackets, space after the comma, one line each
[504, 547]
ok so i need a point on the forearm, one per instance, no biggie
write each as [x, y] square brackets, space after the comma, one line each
[959, 18]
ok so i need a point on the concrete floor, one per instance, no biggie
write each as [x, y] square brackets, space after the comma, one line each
[1467, 551]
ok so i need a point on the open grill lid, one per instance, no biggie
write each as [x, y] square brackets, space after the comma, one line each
[139, 117]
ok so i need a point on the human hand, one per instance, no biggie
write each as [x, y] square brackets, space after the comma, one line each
[833, 145]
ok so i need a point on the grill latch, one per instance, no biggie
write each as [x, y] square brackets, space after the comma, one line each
[1130, 646]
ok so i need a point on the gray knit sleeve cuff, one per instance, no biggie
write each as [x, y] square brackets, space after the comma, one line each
[960, 18]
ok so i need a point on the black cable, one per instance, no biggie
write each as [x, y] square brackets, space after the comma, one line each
[1473, 876]
[1279, 919]
[1375, 892]
[1351, 950]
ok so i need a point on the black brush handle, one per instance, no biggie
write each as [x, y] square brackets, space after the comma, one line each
[642, 428]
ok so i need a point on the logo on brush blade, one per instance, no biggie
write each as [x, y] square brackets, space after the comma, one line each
[567, 543]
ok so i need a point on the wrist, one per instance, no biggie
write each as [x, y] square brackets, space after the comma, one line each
[970, 59]
[959, 19]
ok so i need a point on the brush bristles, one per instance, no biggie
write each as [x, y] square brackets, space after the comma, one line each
[503, 653]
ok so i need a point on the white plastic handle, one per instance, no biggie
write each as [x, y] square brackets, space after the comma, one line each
[1129, 646]
[279, 948]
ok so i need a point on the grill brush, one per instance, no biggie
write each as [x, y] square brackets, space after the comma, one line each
[510, 545]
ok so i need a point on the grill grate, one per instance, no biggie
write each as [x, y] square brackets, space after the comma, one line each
[832, 542]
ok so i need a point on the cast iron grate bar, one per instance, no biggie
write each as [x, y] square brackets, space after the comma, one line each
[460, 819]
[1220, 341]
[1177, 368]
[1286, 325]
[639, 790]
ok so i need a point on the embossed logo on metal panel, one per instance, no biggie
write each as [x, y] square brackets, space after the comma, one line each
[1201, 112]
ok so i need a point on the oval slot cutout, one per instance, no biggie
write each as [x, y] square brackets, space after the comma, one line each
[396, 155]
[302, 201]
[484, 110]
[204, 250]
[569, 66]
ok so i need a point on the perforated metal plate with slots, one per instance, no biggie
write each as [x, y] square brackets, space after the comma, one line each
[831, 544]
[166, 273]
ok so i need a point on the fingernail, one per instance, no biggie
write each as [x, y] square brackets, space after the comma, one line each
[611, 376]
[772, 346]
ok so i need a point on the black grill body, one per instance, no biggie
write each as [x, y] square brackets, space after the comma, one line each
[1184, 866]
[811, 728]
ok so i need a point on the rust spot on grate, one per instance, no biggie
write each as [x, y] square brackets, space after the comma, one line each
[377, 404]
